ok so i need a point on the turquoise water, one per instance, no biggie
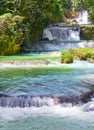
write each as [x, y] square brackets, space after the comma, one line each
[46, 123]
[44, 80]
[51, 80]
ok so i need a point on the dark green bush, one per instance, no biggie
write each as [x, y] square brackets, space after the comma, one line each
[11, 35]
[87, 32]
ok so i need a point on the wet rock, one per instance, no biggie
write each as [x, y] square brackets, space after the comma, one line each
[38, 101]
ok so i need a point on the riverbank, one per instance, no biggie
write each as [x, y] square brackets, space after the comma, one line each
[72, 58]
[30, 59]
[86, 54]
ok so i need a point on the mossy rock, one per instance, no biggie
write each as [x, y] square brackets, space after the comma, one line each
[67, 56]
[87, 32]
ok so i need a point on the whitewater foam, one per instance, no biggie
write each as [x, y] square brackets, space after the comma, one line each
[62, 33]
[83, 17]
[84, 112]
[75, 64]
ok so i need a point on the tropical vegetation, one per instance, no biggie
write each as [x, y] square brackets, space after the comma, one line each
[87, 54]
[22, 21]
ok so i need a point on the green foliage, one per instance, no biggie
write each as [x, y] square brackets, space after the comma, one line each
[66, 5]
[36, 16]
[89, 3]
[6, 6]
[87, 32]
[67, 56]
[28, 18]
[91, 13]
[10, 34]
[78, 4]
[83, 53]
[84, 4]
[90, 7]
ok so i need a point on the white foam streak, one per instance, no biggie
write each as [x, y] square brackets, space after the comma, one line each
[62, 33]
[84, 112]
[76, 64]
[14, 65]
[74, 35]
[47, 34]
[82, 64]
[83, 17]
[84, 44]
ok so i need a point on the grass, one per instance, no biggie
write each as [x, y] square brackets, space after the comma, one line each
[68, 56]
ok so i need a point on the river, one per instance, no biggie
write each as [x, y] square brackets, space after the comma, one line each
[45, 85]
[49, 96]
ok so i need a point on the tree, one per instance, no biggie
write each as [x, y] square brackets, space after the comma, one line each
[37, 15]
[90, 7]
[11, 35]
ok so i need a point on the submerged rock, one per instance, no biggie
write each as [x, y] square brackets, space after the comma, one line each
[24, 63]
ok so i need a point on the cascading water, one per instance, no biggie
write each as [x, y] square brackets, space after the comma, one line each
[62, 33]
[47, 98]
[60, 37]
[39, 101]
[83, 17]
[50, 97]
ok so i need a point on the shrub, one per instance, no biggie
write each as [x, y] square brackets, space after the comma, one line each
[87, 32]
[67, 56]
[11, 35]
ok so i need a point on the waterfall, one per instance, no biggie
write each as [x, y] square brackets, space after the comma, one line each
[39, 101]
[62, 33]
[83, 17]
[60, 37]
[47, 34]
